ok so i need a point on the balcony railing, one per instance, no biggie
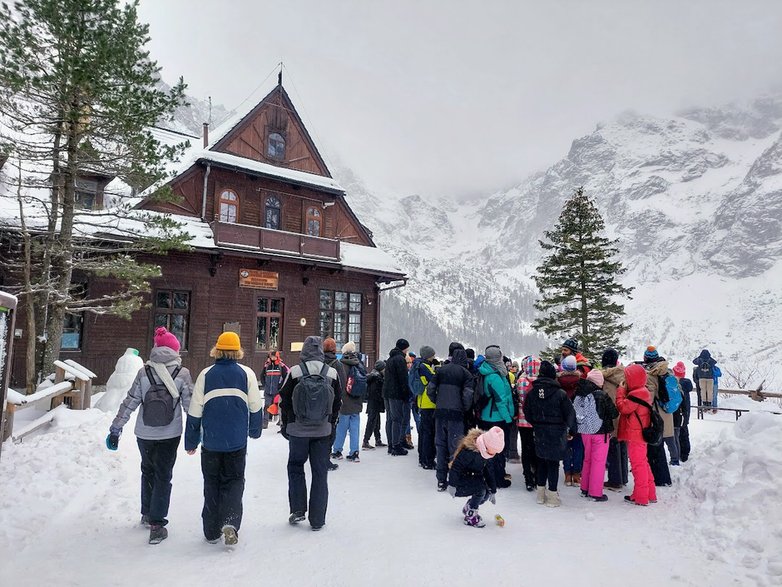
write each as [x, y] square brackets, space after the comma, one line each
[274, 241]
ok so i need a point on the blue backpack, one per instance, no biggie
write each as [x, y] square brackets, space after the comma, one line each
[670, 394]
[357, 381]
[414, 379]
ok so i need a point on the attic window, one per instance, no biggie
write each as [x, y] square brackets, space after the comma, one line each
[86, 194]
[275, 146]
[313, 221]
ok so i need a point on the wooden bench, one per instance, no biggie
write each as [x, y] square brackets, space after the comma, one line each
[737, 411]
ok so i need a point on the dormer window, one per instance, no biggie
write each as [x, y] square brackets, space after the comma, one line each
[86, 194]
[275, 146]
[313, 221]
[229, 206]
[272, 213]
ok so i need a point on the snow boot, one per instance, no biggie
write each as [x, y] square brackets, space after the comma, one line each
[576, 479]
[380, 444]
[332, 466]
[603, 497]
[584, 493]
[471, 518]
[230, 536]
[398, 451]
[552, 499]
[442, 486]
[612, 487]
[295, 518]
[466, 508]
[353, 457]
[145, 523]
[157, 534]
[568, 479]
[408, 442]
[367, 446]
[541, 495]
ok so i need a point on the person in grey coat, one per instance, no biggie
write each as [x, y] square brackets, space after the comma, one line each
[158, 442]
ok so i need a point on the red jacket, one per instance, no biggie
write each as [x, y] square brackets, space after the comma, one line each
[568, 380]
[629, 426]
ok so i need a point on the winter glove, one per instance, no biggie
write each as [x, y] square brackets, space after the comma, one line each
[112, 441]
[493, 498]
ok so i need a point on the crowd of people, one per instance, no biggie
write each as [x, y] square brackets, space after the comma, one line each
[471, 412]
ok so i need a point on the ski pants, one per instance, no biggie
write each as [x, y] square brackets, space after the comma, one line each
[223, 490]
[547, 470]
[659, 464]
[617, 462]
[527, 453]
[447, 435]
[157, 468]
[594, 471]
[574, 456]
[399, 413]
[426, 447]
[317, 451]
[672, 442]
[373, 426]
[643, 490]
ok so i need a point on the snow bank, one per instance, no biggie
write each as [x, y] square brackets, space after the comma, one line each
[736, 483]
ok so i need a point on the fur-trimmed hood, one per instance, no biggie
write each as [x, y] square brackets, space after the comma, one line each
[614, 375]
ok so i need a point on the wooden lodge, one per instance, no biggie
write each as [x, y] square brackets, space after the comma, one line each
[277, 254]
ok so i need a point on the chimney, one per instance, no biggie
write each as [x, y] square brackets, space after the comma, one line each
[206, 135]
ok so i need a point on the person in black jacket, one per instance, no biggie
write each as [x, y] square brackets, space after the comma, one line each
[472, 473]
[397, 394]
[553, 420]
[682, 421]
[451, 389]
[375, 405]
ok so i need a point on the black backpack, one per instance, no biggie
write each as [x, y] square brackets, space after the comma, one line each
[159, 404]
[705, 370]
[313, 397]
[653, 434]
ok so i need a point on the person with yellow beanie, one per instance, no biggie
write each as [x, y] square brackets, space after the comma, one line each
[225, 408]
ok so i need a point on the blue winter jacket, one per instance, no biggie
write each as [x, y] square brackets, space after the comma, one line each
[226, 406]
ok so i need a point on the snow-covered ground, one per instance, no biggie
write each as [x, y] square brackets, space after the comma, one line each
[69, 516]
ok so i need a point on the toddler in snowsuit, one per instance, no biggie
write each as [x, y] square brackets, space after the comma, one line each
[633, 402]
[471, 471]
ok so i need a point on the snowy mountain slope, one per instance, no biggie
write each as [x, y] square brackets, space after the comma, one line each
[696, 201]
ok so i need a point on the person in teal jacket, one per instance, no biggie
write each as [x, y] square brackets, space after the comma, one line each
[497, 403]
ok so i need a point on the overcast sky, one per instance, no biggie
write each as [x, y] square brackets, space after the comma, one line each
[456, 98]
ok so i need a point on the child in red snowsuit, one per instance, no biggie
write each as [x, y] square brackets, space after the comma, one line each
[633, 418]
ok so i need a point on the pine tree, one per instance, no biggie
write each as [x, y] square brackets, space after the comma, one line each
[578, 280]
[78, 94]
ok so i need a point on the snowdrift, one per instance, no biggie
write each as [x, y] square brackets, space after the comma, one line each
[736, 483]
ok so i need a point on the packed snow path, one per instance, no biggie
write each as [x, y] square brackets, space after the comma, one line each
[70, 517]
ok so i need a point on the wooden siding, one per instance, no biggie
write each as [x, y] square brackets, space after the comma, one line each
[213, 302]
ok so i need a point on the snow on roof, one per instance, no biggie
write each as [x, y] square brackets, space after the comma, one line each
[367, 258]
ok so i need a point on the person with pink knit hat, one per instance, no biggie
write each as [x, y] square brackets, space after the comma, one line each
[595, 413]
[471, 471]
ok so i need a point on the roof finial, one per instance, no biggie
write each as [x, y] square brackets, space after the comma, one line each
[279, 75]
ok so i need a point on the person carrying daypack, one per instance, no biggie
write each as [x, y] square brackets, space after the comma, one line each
[421, 374]
[703, 375]
[352, 402]
[595, 413]
[310, 400]
[657, 367]
[163, 389]
[499, 410]
[633, 402]
[683, 436]
[375, 406]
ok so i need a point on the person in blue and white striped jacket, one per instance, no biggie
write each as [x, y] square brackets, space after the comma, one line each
[225, 408]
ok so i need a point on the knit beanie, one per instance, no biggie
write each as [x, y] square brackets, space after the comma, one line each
[569, 363]
[610, 358]
[228, 341]
[380, 365]
[596, 377]
[329, 345]
[679, 370]
[547, 370]
[348, 348]
[164, 338]
[427, 352]
[651, 354]
[493, 440]
[572, 344]
[402, 344]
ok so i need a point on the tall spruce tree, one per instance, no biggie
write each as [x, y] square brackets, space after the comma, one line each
[578, 280]
[78, 95]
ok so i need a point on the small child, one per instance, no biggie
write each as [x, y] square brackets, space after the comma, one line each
[471, 473]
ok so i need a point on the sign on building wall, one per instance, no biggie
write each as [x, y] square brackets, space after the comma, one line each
[256, 279]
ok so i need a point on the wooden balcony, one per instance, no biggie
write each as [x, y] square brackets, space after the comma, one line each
[274, 241]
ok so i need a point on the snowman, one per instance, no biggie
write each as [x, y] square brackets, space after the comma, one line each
[118, 385]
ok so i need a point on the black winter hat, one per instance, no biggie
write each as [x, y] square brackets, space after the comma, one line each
[547, 370]
[402, 344]
[453, 346]
[572, 344]
[610, 358]
[470, 354]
